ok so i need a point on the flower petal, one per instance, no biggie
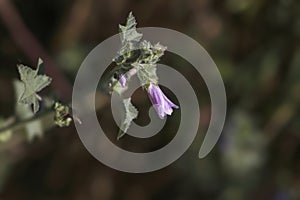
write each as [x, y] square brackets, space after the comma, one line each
[122, 80]
[161, 103]
[171, 104]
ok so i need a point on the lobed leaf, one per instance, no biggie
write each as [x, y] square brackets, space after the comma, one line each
[131, 113]
[33, 83]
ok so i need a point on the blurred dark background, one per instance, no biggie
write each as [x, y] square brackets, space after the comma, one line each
[255, 45]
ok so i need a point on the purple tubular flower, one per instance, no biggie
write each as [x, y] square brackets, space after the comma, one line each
[123, 80]
[161, 103]
[132, 72]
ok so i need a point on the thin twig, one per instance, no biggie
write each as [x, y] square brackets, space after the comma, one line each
[47, 119]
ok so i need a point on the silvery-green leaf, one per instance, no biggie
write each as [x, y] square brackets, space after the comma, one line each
[128, 32]
[159, 49]
[23, 111]
[33, 83]
[147, 73]
[151, 53]
[131, 113]
[126, 49]
[129, 38]
[145, 45]
[131, 35]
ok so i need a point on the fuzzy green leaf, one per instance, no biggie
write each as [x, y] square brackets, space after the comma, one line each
[147, 73]
[22, 111]
[33, 82]
[128, 32]
[131, 113]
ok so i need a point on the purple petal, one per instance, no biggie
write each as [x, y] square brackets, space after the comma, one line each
[122, 80]
[160, 111]
[171, 104]
[160, 102]
[132, 72]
